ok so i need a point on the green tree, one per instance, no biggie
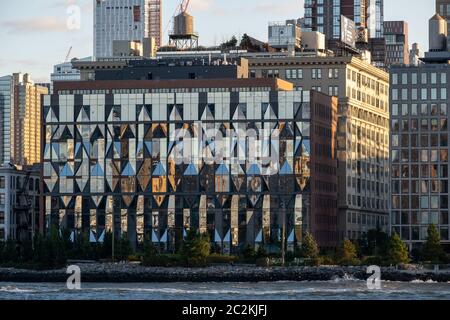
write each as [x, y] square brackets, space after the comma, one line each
[195, 249]
[432, 249]
[397, 251]
[10, 251]
[310, 249]
[374, 242]
[232, 43]
[123, 248]
[347, 253]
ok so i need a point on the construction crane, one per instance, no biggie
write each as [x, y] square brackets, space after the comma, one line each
[184, 6]
[68, 55]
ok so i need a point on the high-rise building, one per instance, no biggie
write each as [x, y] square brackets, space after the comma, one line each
[325, 16]
[239, 159]
[132, 20]
[363, 130]
[6, 106]
[20, 114]
[419, 143]
[397, 46]
[420, 151]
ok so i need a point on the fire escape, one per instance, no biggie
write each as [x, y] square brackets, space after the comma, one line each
[24, 212]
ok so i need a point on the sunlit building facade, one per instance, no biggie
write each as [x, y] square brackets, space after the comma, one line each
[249, 151]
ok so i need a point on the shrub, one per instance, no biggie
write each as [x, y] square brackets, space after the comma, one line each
[373, 260]
[220, 259]
[327, 260]
[314, 262]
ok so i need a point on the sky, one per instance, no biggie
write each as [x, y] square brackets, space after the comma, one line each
[35, 35]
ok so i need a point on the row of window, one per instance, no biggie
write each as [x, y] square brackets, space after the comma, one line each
[425, 78]
[16, 183]
[416, 233]
[409, 187]
[425, 94]
[425, 109]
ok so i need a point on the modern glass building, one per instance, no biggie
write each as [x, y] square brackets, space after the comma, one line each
[242, 160]
[419, 151]
[6, 105]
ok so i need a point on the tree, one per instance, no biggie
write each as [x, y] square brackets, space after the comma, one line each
[9, 251]
[374, 242]
[123, 248]
[347, 253]
[432, 249]
[232, 43]
[195, 249]
[310, 249]
[397, 251]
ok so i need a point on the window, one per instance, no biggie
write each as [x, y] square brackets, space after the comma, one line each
[404, 94]
[443, 93]
[443, 78]
[395, 78]
[395, 109]
[2, 182]
[424, 94]
[424, 78]
[433, 78]
[2, 199]
[433, 94]
[404, 78]
[317, 73]
[394, 94]
[333, 73]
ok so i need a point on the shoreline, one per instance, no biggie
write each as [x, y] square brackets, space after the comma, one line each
[134, 273]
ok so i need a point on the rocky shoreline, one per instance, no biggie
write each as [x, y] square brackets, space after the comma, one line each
[134, 273]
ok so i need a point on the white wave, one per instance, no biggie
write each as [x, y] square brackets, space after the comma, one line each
[13, 289]
[421, 281]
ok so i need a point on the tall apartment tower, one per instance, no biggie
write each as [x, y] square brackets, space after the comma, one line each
[20, 120]
[132, 20]
[325, 15]
[26, 121]
[397, 47]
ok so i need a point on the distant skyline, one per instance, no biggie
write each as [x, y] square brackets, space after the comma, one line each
[35, 35]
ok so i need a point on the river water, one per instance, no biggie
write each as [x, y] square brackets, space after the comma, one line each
[340, 289]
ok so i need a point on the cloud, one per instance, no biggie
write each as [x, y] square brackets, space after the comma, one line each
[287, 8]
[201, 5]
[41, 24]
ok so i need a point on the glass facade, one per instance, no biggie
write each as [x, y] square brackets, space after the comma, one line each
[153, 165]
[419, 153]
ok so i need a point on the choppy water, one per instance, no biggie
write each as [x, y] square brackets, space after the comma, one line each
[327, 290]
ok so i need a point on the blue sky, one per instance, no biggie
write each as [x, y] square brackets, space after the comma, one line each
[34, 34]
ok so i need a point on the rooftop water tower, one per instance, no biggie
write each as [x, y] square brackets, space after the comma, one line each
[183, 35]
[438, 33]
